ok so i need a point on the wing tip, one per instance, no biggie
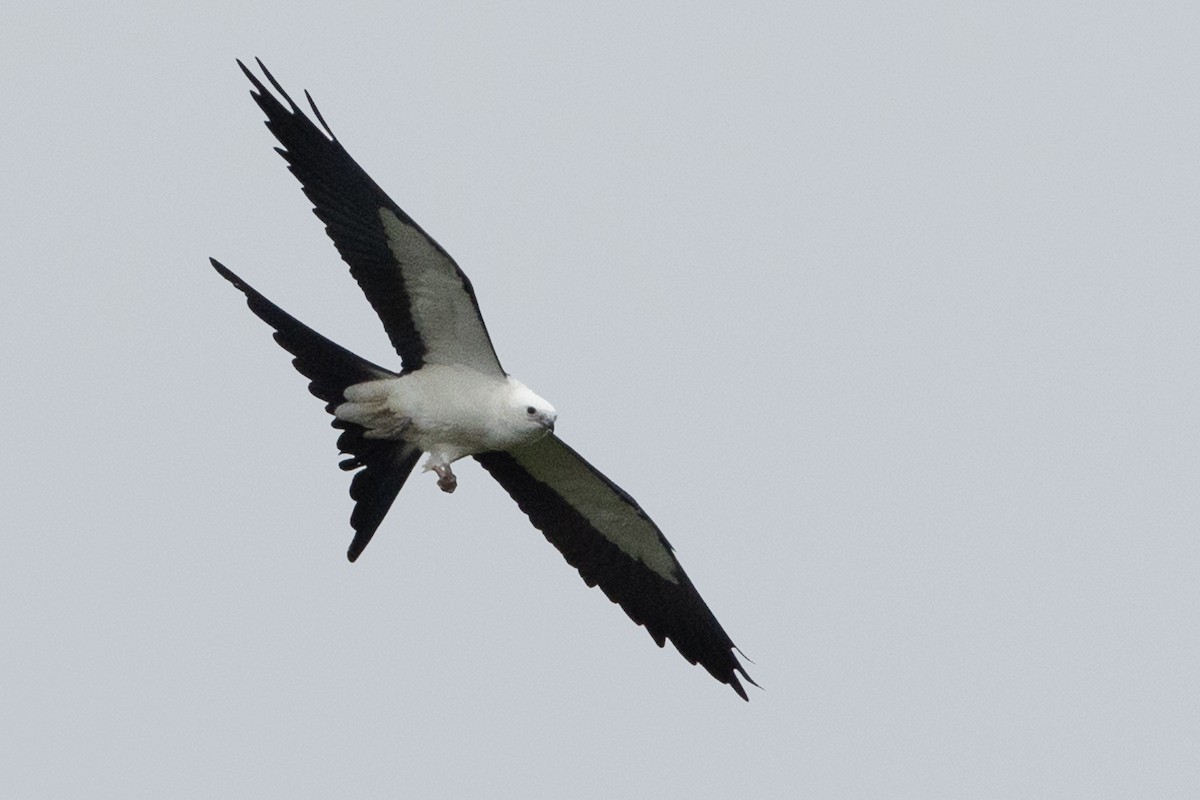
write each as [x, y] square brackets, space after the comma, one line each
[725, 667]
[265, 97]
[737, 684]
[246, 70]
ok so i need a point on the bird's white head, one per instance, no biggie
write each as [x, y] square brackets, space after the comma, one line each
[537, 416]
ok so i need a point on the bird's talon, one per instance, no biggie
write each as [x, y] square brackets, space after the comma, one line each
[446, 480]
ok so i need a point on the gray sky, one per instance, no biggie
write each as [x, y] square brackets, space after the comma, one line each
[887, 317]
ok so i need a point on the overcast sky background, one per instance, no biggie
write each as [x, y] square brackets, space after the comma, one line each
[886, 313]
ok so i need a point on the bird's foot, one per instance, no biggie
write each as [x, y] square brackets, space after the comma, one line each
[446, 480]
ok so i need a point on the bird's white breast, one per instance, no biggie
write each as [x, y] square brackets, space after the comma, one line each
[452, 411]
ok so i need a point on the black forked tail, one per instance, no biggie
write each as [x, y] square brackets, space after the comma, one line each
[330, 368]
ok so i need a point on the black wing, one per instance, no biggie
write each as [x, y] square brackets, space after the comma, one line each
[424, 300]
[330, 368]
[602, 532]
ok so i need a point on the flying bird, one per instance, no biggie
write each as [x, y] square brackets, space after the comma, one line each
[452, 399]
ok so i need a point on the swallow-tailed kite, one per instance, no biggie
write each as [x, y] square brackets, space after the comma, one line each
[452, 399]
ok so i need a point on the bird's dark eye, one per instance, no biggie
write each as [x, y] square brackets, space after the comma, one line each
[530, 411]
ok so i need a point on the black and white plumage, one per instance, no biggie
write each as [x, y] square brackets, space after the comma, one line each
[452, 399]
